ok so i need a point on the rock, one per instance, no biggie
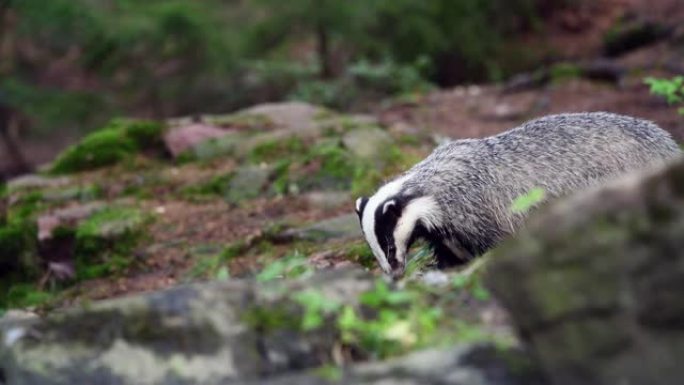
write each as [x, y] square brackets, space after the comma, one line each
[476, 364]
[595, 283]
[342, 227]
[183, 138]
[329, 199]
[228, 332]
[231, 143]
[67, 217]
[248, 183]
[369, 143]
[73, 193]
[33, 181]
[292, 116]
[201, 334]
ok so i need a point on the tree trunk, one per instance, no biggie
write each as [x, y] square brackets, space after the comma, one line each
[19, 163]
[324, 57]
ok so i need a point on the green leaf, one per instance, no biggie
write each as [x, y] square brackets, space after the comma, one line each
[525, 202]
[223, 274]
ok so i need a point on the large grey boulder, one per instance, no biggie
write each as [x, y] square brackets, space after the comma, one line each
[595, 284]
[468, 364]
[201, 334]
[228, 332]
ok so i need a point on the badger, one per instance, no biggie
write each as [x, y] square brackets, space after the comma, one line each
[459, 198]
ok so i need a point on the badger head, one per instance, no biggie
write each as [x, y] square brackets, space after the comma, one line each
[391, 222]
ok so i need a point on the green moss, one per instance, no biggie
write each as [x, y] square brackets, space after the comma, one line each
[147, 134]
[22, 295]
[116, 142]
[275, 150]
[210, 259]
[101, 148]
[17, 243]
[26, 205]
[105, 242]
[216, 186]
[271, 318]
[565, 71]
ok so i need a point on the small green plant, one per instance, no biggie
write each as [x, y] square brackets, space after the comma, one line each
[290, 266]
[420, 260]
[390, 321]
[671, 89]
[525, 202]
[316, 307]
[212, 262]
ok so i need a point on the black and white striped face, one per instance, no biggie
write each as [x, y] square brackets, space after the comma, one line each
[388, 220]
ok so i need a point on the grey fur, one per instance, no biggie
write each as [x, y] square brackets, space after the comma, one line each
[475, 181]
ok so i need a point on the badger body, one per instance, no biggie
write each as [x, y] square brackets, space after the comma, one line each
[459, 198]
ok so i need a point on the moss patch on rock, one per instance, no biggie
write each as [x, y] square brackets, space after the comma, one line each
[115, 142]
[105, 241]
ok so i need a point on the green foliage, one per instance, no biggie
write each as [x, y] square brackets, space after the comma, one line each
[329, 373]
[671, 89]
[316, 307]
[164, 55]
[525, 202]
[365, 81]
[294, 265]
[394, 321]
[22, 295]
[17, 239]
[390, 77]
[213, 264]
[420, 260]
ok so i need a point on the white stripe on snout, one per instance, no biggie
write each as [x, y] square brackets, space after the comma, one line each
[423, 208]
[368, 221]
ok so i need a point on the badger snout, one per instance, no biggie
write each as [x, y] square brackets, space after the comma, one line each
[397, 268]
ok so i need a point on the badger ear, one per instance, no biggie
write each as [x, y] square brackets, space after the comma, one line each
[361, 205]
[391, 207]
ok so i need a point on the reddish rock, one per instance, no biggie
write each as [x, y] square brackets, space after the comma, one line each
[181, 139]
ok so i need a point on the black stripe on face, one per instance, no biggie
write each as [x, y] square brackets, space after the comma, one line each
[385, 223]
[361, 206]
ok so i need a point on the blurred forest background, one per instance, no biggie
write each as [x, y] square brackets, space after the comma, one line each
[68, 66]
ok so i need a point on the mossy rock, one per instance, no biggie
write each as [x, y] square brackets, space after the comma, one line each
[17, 241]
[117, 141]
[248, 182]
[226, 145]
[105, 241]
